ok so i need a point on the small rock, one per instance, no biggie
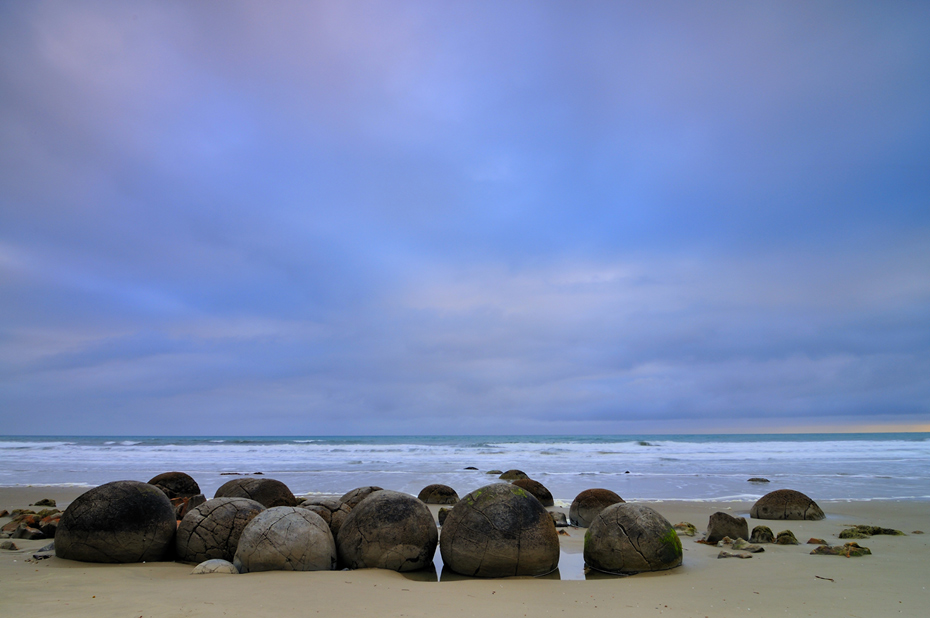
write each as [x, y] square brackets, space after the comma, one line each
[850, 550]
[723, 524]
[4, 513]
[852, 533]
[564, 533]
[442, 514]
[744, 545]
[45, 502]
[725, 542]
[49, 547]
[494, 472]
[867, 531]
[18, 512]
[816, 541]
[27, 532]
[734, 554]
[762, 534]
[758, 479]
[786, 537]
[215, 565]
[470, 468]
[10, 545]
[917, 532]
[558, 519]
[685, 529]
[513, 475]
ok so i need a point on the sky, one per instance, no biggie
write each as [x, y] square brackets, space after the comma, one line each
[340, 218]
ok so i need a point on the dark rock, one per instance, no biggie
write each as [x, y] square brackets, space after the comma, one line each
[49, 525]
[470, 468]
[734, 554]
[8, 545]
[212, 529]
[438, 494]
[786, 537]
[786, 504]
[852, 533]
[333, 511]
[18, 512]
[816, 541]
[867, 531]
[352, 498]
[286, 538]
[27, 532]
[50, 547]
[685, 529]
[45, 502]
[758, 479]
[589, 503]
[494, 472]
[48, 513]
[176, 484]
[631, 538]
[850, 550]
[388, 530]
[558, 519]
[537, 490]
[513, 475]
[4, 513]
[498, 531]
[723, 524]
[183, 505]
[215, 566]
[122, 521]
[442, 514]
[267, 492]
[762, 534]
[917, 532]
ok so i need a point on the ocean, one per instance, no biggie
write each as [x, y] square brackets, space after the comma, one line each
[881, 466]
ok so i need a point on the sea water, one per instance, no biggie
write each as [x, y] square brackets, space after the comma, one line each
[882, 466]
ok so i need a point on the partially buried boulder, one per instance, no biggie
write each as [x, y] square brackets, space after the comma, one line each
[388, 530]
[786, 504]
[216, 565]
[286, 538]
[176, 484]
[267, 492]
[333, 511]
[513, 475]
[586, 505]
[122, 521]
[723, 524]
[762, 534]
[537, 490]
[631, 538]
[786, 537]
[353, 497]
[438, 494]
[212, 530]
[498, 531]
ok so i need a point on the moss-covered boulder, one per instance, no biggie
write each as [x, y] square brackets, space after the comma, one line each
[762, 534]
[586, 505]
[786, 537]
[267, 492]
[786, 504]
[850, 550]
[537, 490]
[631, 538]
[685, 528]
[438, 494]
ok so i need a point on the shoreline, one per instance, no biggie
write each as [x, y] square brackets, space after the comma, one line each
[784, 579]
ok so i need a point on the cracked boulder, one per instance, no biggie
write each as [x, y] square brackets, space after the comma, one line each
[122, 521]
[722, 525]
[286, 538]
[388, 530]
[353, 497]
[438, 494]
[212, 530]
[631, 538]
[499, 531]
[537, 490]
[267, 492]
[176, 484]
[586, 505]
[333, 512]
[786, 504]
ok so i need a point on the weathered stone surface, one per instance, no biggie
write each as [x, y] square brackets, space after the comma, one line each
[852, 533]
[513, 475]
[758, 479]
[9, 545]
[438, 494]
[786, 537]
[558, 519]
[442, 514]
[498, 531]
[631, 538]
[45, 502]
[470, 468]
[861, 532]
[333, 511]
[215, 565]
[267, 492]
[286, 538]
[762, 534]
[850, 550]
[212, 529]
[734, 554]
[27, 532]
[742, 544]
[537, 490]
[122, 521]
[816, 541]
[388, 530]
[184, 504]
[723, 524]
[786, 504]
[494, 472]
[176, 484]
[353, 497]
[685, 529]
[586, 505]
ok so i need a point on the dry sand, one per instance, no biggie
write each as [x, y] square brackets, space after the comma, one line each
[782, 581]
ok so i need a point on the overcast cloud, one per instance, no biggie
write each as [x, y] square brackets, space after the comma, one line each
[435, 217]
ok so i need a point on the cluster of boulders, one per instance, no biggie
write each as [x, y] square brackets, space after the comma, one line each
[30, 524]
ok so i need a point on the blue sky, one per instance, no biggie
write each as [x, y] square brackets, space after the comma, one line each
[433, 217]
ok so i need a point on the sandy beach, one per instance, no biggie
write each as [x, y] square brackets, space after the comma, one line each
[784, 580]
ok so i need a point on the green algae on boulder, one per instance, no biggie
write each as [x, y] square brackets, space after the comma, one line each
[762, 534]
[786, 537]
[850, 550]
[863, 532]
[631, 538]
[685, 529]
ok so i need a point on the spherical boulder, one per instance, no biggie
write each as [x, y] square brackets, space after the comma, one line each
[176, 484]
[122, 521]
[786, 504]
[388, 530]
[286, 538]
[723, 524]
[513, 475]
[438, 494]
[589, 503]
[215, 566]
[498, 531]
[267, 492]
[212, 529]
[353, 497]
[333, 512]
[537, 490]
[631, 538]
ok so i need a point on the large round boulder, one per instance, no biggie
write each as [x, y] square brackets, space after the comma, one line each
[286, 538]
[388, 530]
[354, 496]
[586, 505]
[631, 538]
[438, 494]
[176, 484]
[786, 504]
[537, 490]
[122, 521]
[267, 492]
[498, 531]
[333, 511]
[212, 530]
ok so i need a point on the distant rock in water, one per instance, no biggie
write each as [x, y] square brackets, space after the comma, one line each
[786, 504]
[758, 479]
[470, 468]
[494, 472]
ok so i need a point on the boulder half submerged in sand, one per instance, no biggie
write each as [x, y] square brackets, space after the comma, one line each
[786, 504]
[631, 538]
